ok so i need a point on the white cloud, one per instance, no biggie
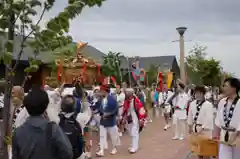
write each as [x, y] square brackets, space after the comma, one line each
[147, 27]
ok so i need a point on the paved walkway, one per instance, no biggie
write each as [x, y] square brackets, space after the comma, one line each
[155, 143]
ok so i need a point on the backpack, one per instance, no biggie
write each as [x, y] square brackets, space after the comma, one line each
[73, 131]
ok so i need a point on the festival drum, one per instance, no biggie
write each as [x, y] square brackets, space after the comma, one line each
[203, 146]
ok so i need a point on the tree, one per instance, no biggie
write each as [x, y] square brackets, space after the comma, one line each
[16, 17]
[203, 71]
[112, 65]
[227, 75]
[152, 74]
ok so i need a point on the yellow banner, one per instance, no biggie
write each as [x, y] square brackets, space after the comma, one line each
[169, 79]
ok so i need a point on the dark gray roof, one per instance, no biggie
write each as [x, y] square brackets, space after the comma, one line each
[163, 62]
[46, 57]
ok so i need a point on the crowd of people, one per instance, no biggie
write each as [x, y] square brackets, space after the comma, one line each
[59, 122]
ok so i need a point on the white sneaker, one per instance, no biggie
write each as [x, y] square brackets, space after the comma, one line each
[166, 127]
[100, 153]
[150, 121]
[181, 138]
[131, 150]
[120, 134]
[114, 151]
[175, 138]
[87, 155]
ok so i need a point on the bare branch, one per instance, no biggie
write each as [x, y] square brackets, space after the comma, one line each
[25, 38]
[25, 80]
[41, 16]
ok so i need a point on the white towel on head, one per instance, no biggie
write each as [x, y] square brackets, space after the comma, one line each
[68, 91]
[130, 90]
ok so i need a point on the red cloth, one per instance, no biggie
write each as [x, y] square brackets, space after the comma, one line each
[105, 88]
[60, 72]
[139, 108]
[99, 70]
[160, 76]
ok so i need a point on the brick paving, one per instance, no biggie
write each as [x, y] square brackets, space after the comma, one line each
[155, 143]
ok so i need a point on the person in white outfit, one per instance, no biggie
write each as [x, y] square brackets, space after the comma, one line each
[200, 116]
[180, 113]
[120, 99]
[52, 110]
[108, 121]
[164, 98]
[131, 117]
[228, 120]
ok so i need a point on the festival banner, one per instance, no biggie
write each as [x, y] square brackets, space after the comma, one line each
[169, 79]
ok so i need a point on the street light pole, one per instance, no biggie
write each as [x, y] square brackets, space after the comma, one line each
[181, 31]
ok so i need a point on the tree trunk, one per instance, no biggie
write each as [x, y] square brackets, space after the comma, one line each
[7, 97]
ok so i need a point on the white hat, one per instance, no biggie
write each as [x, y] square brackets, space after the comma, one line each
[68, 91]
[130, 90]
[96, 88]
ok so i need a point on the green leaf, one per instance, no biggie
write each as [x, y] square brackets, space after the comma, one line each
[3, 22]
[9, 45]
[31, 11]
[31, 68]
[34, 3]
[7, 58]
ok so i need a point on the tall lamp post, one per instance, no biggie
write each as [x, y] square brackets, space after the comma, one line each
[181, 31]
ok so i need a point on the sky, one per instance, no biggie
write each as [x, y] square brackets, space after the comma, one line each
[148, 27]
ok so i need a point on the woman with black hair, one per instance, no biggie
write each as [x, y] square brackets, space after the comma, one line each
[200, 116]
[228, 120]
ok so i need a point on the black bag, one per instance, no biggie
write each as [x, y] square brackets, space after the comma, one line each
[73, 130]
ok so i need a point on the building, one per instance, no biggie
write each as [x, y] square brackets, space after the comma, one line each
[163, 62]
[45, 57]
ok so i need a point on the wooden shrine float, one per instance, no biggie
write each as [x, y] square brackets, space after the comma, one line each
[85, 69]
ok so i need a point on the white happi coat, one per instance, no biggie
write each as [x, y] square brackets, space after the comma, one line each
[235, 122]
[54, 100]
[120, 100]
[225, 151]
[181, 100]
[205, 117]
[161, 98]
[52, 110]
[133, 128]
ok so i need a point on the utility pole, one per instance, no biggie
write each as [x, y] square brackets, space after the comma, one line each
[181, 31]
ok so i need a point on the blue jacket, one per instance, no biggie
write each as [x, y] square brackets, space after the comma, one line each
[111, 107]
[78, 105]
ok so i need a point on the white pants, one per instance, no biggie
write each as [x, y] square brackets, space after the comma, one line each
[113, 133]
[133, 130]
[120, 111]
[10, 151]
[97, 118]
[155, 111]
[179, 124]
[227, 152]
